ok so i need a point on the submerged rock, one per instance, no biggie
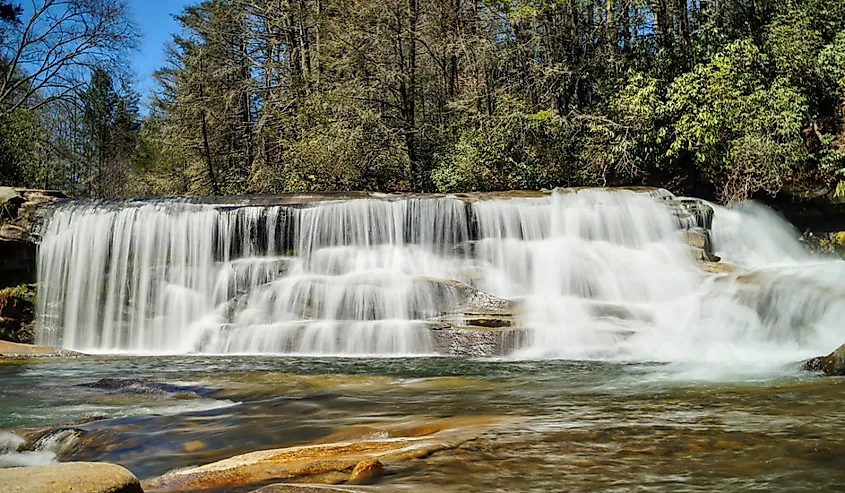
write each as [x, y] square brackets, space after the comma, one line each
[301, 488]
[69, 477]
[320, 461]
[144, 386]
[833, 364]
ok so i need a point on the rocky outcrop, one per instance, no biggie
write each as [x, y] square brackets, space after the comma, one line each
[69, 477]
[833, 364]
[18, 221]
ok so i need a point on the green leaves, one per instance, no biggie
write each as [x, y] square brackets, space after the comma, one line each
[742, 132]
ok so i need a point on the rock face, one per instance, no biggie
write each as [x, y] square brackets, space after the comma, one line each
[69, 477]
[833, 364]
[18, 219]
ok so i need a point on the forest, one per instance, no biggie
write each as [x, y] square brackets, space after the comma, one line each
[725, 99]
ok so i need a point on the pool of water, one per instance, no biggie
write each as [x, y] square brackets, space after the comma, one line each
[575, 426]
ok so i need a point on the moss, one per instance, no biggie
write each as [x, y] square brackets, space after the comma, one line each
[17, 311]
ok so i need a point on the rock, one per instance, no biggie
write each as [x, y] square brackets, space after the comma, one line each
[9, 199]
[317, 461]
[18, 218]
[716, 267]
[833, 364]
[367, 472]
[70, 477]
[457, 297]
[15, 350]
[478, 342]
[301, 488]
[690, 213]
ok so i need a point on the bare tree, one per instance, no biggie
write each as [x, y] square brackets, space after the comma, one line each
[47, 56]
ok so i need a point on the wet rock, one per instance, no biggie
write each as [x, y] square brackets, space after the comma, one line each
[456, 296]
[301, 488]
[367, 472]
[478, 342]
[16, 350]
[833, 364]
[716, 267]
[316, 461]
[486, 321]
[690, 213]
[143, 386]
[601, 309]
[69, 477]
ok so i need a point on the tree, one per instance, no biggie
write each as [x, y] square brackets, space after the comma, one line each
[47, 56]
[725, 99]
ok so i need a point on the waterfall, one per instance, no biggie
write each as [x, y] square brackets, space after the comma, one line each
[584, 273]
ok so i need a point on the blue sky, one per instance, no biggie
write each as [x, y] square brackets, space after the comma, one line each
[155, 20]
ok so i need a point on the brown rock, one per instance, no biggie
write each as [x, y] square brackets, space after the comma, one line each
[316, 461]
[833, 364]
[367, 472]
[716, 267]
[15, 350]
[300, 488]
[69, 477]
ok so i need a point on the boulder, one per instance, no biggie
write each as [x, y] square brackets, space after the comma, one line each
[833, 364]
[69, 477]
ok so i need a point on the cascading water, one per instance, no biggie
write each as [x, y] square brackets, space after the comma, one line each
[589, 274]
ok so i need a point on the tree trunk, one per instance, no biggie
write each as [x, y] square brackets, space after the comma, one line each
[215, 189]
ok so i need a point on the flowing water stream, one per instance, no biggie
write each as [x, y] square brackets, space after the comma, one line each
[593, 274]
[222, 329]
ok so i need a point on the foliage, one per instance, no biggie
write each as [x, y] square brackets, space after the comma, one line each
[512, 149]
[19, 148]
[721, 99]
[741, 132]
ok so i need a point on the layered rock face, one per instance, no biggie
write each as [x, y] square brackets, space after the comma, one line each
[18, 222]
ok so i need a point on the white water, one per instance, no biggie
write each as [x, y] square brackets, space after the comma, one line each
[597, 274]
[44, 451]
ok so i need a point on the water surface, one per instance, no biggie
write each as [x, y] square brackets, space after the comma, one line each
[578, 426]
